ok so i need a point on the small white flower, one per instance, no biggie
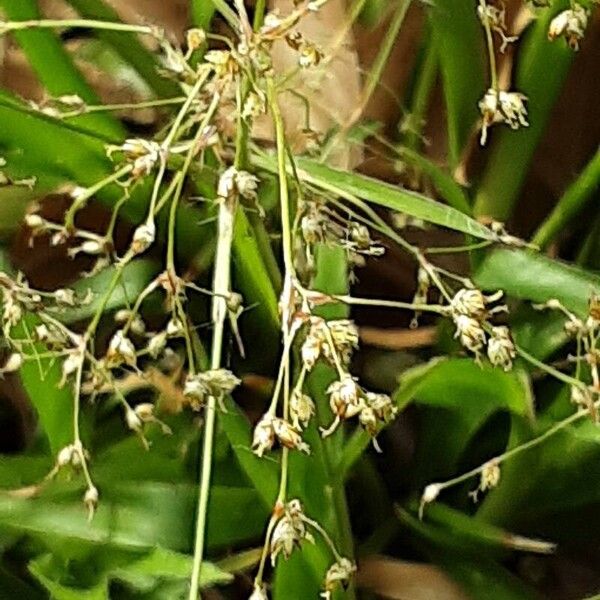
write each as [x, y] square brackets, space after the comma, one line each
[289, 531]
[570, 24]
[66, 297]
[501, 349]
[65, 456]
[34, 221]
[502, 107]
[247, 185]
[226, 186]
[196, 391]
[92, 247]
[302, 408]
[289, 436]
[175, 328]
[264, 435]
[90, 499]
[469, 302]
[345, 397]
[311, 350]
[309, 55]
[156, 344]
[338, 574]
[133, 420]
[430, 493]
[120, 350]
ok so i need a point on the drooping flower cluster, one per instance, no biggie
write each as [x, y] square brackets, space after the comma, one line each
[570, 24]
[498, 106]
[470, 312]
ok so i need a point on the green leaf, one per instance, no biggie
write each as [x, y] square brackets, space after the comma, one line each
[477, 573]
[458, 397]
[353, 185]
[41, 378]
[55, 67]
[129, 48]
[135, 277]
[138, 515]
[458, 38]
[535, 277]
[141, 573]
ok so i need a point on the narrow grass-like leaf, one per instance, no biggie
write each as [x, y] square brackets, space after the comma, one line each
[127, 46]
[572, 202]
[537, 278]
[55, 67]
[347, 184]
[458, 38]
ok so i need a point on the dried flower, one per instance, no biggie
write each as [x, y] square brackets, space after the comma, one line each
[345, 397]
[338, 574]
[502, 107]
[196, 38]
[66, 297]
[289, 531]
[247, 185]
[254, 106]
[501, 349]
[472, 303]
[570, 24]
[470, 333]
[226, 186]
[196, 391]
[264, 435]
[289, 436]
[302, 408]
[120, 350]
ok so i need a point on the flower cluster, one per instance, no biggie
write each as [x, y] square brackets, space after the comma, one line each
[271, 428]
[216, 383]
[498, 106]
[470, 312]
[348, 399]
[570, 24]
[332, 340]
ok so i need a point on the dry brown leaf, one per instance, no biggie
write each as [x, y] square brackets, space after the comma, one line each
[402, 580]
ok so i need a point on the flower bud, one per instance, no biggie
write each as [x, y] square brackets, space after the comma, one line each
[143, 237]
[289, 436]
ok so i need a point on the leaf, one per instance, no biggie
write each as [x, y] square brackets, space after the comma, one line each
[458, 38]
[474, 570]
[41, 378]
[141, 573]
[54, 66]
[127, 45]
[352, 185]
[135, 277]
[138, 515]
[535, 277]
[457, 398]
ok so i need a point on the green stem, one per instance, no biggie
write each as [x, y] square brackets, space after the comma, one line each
[571, 203]
[221, 290]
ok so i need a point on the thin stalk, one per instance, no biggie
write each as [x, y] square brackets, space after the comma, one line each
[10, 26]
[489, 38]
[572, 202]
[376, 70]
[221, 290]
